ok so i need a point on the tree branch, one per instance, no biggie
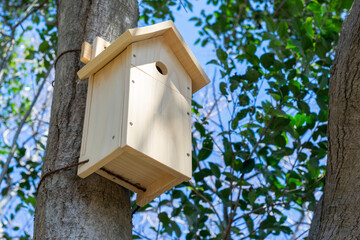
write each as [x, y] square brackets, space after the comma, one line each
[22, 123]
[232, 214]
[28, 14]
[209, 202]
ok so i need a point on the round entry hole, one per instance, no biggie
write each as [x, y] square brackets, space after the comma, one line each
[161, 68]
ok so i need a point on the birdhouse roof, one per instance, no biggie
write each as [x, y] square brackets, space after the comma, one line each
[172, 38]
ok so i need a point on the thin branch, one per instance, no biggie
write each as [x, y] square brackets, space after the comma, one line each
[22, 123]
[257, 210]
[143, 236]
[298, 226]
[183, 5]
[232, 215]
[279, 7]
[208, 201]
[301, 234]
[29, 14]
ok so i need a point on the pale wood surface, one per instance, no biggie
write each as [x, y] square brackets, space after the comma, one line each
[103, 120]
[161, 185]
[98, 46]
[173, 39]
[153, 50]
[142, 170]
[137, 128]
[89, 52]
[86, 52]
[158, 110]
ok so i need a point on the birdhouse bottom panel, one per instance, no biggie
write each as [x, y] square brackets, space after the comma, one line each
[141, 174]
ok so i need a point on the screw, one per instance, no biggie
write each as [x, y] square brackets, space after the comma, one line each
[188, 113]
[113, 137]
[133, 81]
[134, 55]
[188, 88]
[131, 123]
[188, 154]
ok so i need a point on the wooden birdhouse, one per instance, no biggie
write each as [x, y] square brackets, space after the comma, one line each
[137, 128]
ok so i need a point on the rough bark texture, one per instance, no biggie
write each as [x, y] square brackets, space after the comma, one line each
[338, 214]
[69, 207]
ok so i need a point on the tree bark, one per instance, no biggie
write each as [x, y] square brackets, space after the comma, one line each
[338, 214]
[69, 207]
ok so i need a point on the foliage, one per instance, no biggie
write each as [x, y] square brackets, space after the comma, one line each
[27, 49]
[259, 148]
[259, 137]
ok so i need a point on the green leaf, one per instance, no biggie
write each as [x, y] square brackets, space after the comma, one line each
[252, 75]
[221, 54]
[206, 150]
[44, 47]
[175, 228]
[309, 26]
[267, 60]
[163, 217]
[223, 87]
[248, 166]
[304, 107]
[282, 29]
[215, 169]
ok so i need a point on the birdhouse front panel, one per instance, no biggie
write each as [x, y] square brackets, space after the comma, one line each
[160, 106]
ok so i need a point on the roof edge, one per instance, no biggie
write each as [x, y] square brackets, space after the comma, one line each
[173, 38]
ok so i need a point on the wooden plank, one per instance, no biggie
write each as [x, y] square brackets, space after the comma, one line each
[87, 117]
[111, 177]
[93, 165]
[104, 114]
[162, 128]
[85, 56]
[99, 45]
[86, 52]
[161, 185]
[173, 38]
[155, 51]
[134, 169]
[154, 162]
[187, 58]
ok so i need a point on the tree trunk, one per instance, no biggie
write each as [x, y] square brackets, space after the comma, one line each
[69, 207]
[338, 214]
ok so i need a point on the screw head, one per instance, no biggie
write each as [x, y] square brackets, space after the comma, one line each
[188, 113]
[131, 123]
[188, 88]
[134, 55]
[133, 81]
[188, 154]
[113, 137]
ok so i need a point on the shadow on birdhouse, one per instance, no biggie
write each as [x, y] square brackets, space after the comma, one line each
[137, 128]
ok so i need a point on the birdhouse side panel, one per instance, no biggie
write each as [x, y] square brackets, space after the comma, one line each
[108, 98]
[159, 119]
